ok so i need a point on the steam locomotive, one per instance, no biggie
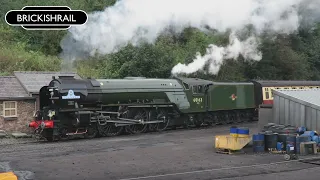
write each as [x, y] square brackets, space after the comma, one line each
[109, 107]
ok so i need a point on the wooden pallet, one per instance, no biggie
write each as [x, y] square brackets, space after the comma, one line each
[228, 151]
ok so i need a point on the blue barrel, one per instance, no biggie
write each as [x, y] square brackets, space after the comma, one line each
[271, 140]
[258, 149]
[234, 131]
[316, 139]
[243, 132]
[280, 146]
[301, 130]
[291, 140]
[283, 138]
[299, 140]
[290, 149]
[258, 137]
[258, 143]
[309, 133]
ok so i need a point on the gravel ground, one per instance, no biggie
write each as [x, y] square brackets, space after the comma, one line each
[11, 140]
[180, 154]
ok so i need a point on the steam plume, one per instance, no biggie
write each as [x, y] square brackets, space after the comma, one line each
[130, 21]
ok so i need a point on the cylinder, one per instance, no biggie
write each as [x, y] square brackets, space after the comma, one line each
[234, 131]
[309, 133]
[290, 149]
[258, 143]
[243, 132]
[316, 139]
[301, 130]
[299, 140]
[283, 138]
[291, 140]
[280, 146]
[271, 140]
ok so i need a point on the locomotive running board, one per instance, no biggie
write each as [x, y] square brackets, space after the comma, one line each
[141, 106]
[147, 122]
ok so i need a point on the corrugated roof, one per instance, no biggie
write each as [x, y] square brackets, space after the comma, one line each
[32, 81]
[11, 88]
[309, 97]
[270, 83]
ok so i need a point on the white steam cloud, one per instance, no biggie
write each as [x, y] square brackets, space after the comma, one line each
[129, 21]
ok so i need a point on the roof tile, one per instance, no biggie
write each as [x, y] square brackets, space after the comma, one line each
[10, 87]
[34, 80]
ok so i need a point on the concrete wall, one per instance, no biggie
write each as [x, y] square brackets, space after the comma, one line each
[25, 111]
[265, 116]
[289, 112]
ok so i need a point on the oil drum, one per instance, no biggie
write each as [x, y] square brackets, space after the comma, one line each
[271, 140]
[258, 143]
[291, 140]
[283, 139]
[234, 131]
[243, 132]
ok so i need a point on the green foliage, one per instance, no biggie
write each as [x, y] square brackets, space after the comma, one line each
[286, 57]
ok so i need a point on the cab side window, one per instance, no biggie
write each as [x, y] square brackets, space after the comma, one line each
[194, 89]
[186, 86]
[197, 89]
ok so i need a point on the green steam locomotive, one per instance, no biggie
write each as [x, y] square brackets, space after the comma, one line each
[109, 107]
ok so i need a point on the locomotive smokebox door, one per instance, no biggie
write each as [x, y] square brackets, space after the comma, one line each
[83, 118]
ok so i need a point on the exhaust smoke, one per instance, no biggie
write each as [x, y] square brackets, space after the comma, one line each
[130, 21]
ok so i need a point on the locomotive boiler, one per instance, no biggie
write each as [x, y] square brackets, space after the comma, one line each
[106, 107]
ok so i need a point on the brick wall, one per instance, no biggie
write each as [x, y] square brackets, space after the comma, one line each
[25, 111]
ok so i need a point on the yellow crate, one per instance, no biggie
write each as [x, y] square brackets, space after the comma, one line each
[230, 142]
[8, 176]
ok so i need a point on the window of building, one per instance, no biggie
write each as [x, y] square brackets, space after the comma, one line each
[9, 109]
[267, 92]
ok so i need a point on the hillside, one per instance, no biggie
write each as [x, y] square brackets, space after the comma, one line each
[288, 57]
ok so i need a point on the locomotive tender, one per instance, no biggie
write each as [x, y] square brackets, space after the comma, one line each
[108, 107]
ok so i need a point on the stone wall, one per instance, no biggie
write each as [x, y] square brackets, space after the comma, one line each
[25, 111]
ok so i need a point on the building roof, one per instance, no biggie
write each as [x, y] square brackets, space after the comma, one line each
[308, 97]
[11, 88]
[32, 81]
[275, 83]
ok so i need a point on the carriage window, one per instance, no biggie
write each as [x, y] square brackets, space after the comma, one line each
[267, 92]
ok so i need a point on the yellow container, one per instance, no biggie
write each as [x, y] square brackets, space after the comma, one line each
[8, 176]
[243, 135]
[233, 134]
[231, 142]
